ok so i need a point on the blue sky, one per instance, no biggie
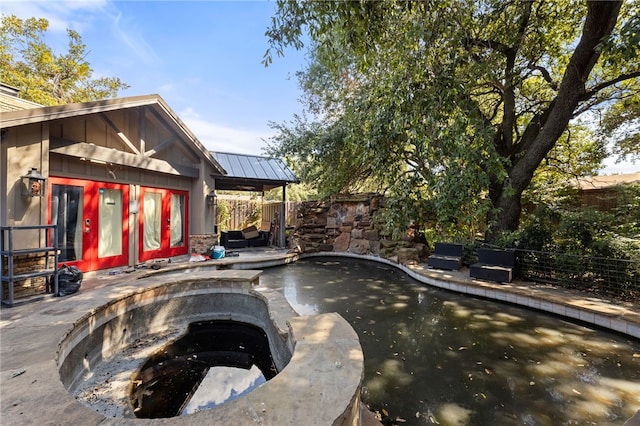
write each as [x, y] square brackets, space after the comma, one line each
[202, 57]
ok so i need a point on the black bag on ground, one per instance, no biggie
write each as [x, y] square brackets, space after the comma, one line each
[69, 280]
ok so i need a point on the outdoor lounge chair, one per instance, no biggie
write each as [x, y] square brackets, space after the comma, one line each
[494, 265]
[446, 256]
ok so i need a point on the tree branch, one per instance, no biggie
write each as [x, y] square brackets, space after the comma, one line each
[545, 74]
[598, 87]
[588, 106]
[545, 129]
[489, 44]
[505, 143]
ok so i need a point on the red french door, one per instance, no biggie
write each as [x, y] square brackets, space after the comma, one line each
[163, 226]
[93, 222]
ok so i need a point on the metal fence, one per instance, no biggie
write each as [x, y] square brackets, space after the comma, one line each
[603, 276]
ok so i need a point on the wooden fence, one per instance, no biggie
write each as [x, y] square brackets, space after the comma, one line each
[235, 214]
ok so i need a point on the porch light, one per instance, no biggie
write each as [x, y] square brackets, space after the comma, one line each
[212, 200]
[33, 183]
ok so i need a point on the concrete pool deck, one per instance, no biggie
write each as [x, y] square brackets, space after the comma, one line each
[31, 392]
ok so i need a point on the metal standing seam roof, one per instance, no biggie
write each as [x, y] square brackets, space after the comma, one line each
[254, 167]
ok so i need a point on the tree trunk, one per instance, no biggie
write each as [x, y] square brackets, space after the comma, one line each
[543, 131]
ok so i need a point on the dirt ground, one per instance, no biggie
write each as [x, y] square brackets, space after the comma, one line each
[106, 389]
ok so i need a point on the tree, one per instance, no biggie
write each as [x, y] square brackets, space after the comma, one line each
[28, 64]
[621, 127]
[452, 105]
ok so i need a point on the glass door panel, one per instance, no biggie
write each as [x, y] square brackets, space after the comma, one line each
[67, 212]
[163, 223]
[177, 220]
[152, 220]
[110, 222]
[110, 230]
[178, 211]
[93, 222]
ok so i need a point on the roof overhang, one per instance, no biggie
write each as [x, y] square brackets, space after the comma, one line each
[252, 173]
[155, 102]
[241, 184]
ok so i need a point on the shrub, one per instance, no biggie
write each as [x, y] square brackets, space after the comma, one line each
[536, 233]
[223, 215]
[585, 233]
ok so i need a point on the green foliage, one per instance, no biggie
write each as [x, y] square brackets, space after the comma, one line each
[620, 122]
[534, 234]
[579, 248]
[42, 76]
[254, 215]
[587, 233]
[620, 125]
[295, 192]
[583, 232]
[627, 211]
[381, 142]
[577, 153]
[223, 215]
[451, 107]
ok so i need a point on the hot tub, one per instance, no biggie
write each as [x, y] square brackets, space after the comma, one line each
[318, 358]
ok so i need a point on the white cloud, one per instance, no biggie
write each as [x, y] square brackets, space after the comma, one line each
[132, 36]
[623, 167]
[60, 14]
[84, 15]
[216, 137]
[166, 88]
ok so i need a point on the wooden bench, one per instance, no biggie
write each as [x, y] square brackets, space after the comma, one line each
[494, 265]
[446, 256]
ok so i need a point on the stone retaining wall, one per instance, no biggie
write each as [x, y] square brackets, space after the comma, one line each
[354, 224]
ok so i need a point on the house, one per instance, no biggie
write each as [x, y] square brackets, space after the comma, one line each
[124, 180]
[9, 100]
[601, 192]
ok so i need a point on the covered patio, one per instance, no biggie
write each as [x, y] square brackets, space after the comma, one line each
[252, 173]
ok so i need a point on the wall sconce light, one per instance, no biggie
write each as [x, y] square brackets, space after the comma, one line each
[33, 183]
[212, 200]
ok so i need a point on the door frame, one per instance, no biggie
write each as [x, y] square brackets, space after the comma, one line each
[165, 250]
[89, 260]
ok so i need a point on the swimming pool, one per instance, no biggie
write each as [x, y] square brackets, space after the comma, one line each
[433, 356]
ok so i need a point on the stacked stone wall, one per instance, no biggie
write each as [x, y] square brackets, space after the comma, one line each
[24, 264]
[354, 224]
[202, 243]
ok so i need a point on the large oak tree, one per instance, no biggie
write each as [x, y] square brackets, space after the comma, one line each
[42, 76]
[453, 105]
